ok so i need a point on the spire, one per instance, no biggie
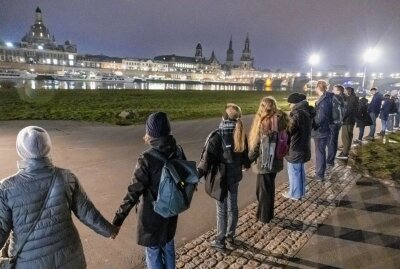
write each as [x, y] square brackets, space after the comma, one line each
[212, 55]
[247, 44]
[39, 18]
[230, 43]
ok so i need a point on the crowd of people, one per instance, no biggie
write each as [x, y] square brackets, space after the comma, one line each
[36, 227]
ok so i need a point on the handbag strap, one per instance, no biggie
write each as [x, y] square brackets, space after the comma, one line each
[14, 258]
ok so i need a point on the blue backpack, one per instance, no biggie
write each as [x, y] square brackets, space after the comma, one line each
[178, 182]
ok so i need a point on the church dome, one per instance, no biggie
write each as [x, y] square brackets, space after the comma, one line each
[38, 33]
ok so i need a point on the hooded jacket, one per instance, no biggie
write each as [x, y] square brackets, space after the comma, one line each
[300, 133]
[55, 242]
[152, 229]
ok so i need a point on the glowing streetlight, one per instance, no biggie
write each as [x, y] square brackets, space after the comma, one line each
[9, 45]
[40, 47]
[313, 60]
[369, 56]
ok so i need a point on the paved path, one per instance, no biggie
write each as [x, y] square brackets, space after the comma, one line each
[272, 245]
[103, 157]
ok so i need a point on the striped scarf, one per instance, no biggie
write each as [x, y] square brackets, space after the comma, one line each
[227, 127]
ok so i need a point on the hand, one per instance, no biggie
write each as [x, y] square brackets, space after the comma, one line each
[115, 233]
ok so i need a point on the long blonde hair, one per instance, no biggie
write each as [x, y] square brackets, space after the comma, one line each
[234, 112]
[268, 107]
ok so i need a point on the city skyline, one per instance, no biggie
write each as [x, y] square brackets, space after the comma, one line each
[62, 19]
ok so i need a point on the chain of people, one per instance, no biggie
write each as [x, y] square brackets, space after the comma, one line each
[36, 204]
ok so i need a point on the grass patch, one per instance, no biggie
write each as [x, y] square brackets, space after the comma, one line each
[105, 105]
[381, 160]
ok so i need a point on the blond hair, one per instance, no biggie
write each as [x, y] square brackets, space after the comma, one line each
[267, 108]
[322, 85]
[234, 112]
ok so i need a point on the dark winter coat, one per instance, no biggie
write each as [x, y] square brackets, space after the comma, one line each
[363, 118]
[351, 110]
[323, 116]
[338, 104]
[254, 154]
[385, 111]
[152, 228]
[300, 134]
[231, 173]
[376, 103]
[55, 243]
[393, 105]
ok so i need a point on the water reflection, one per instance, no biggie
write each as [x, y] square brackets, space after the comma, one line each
[148, 85]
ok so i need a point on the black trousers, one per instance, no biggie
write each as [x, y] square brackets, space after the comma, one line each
[265, 197]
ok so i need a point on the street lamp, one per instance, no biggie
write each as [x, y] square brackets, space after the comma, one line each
[313, 60]
[370, 55]
[9, 45]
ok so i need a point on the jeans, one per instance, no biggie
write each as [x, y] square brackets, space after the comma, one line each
[384, 125]
[397, 120]
[390, 123]
[320, 156]
[161, 257]
[297, 180]
[373, 126]
[361, 132]
[347, 138]
[227, 214]
[333, 143]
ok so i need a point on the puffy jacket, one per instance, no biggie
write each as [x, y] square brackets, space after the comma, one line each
[338, 109]
[55, 242]
[323, 116]
[152, 228]
[376, 103]
[300, 134]
[213, 155]
[254, 154]
[351, 110]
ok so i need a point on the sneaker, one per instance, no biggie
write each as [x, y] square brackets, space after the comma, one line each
[217, 244]
[369, 138]
[357, 141]
[381, 133]
[342, 156]
[287, 196]
[231, 242]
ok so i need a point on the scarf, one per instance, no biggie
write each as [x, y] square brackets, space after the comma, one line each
[227, 127]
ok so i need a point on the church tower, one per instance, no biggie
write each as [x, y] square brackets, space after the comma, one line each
[199, 53]
[229, 55]
[246, 61]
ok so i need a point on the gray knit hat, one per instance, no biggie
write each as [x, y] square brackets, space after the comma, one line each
[33, 143]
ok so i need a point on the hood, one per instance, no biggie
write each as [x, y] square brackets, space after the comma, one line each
[165, 144]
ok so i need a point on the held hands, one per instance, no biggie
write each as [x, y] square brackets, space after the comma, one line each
[115, 232]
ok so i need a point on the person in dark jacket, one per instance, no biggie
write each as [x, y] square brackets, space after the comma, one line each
[349, 120]
[392, 113]
[300, 145]
[374, 110]
[230, 137]
[321, 130]
[154, 232]
[397, 115]
[338, 108]
[269, 118]
[385, 111]
[54, 241]
[363, 118]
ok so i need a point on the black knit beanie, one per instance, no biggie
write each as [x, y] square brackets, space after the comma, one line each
[157, 125]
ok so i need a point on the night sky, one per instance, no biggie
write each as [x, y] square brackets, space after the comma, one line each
[282, 32]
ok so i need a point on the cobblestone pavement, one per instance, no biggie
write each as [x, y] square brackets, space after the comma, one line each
[271, 245]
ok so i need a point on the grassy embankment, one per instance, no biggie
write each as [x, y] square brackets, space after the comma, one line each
[381, 160]
[105, 105]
